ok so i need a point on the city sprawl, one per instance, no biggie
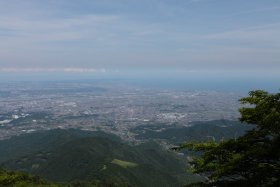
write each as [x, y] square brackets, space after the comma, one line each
[111, 107]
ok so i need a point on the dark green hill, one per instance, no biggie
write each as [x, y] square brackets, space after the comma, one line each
[199, 131]
[18, 146]
[69, 155]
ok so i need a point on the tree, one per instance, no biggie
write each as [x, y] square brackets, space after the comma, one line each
[250, 160]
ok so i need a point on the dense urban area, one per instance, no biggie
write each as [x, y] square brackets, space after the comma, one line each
[112, 107]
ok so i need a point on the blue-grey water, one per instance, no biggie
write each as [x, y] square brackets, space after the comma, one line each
[242, 82]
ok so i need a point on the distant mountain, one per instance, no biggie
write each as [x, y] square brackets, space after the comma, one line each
[75, 155]
[198, 131]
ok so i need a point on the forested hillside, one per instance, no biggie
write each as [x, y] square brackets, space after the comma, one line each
[74, 155]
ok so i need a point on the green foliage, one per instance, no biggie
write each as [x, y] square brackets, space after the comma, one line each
[19, 179]
[250, 160]
[16, 179]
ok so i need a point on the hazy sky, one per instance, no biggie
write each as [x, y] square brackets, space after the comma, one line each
[90, 35]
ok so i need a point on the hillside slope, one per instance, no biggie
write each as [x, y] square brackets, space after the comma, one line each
[71, 155]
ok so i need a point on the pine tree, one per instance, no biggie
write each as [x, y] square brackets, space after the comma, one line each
[250, 160]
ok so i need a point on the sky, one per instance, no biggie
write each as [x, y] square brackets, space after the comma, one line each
[113, 35]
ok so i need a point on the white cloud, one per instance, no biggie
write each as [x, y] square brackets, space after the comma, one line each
[54, 29]
[70, 69]
[264, 33]
[259, 10]
[197, 1]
